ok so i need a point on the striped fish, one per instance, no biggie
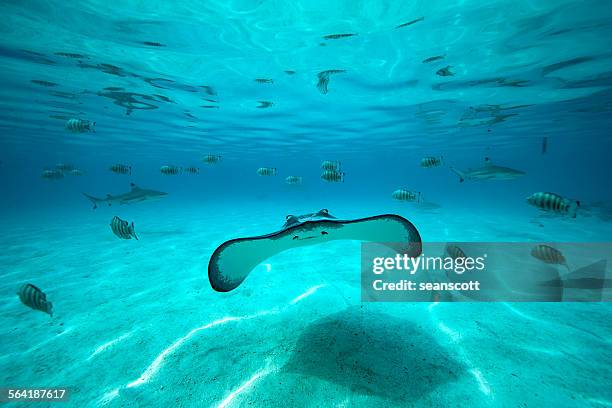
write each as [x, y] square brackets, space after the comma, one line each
[170, 170]
[330, 165]
[266, 171]
[333, 176]
[192, 170]
[293, 180]
[406, 195]
[549, 255]
[211, 159]
[122, 229]
[52, 174]
[119, 168]
[80, 125]
[34, 298]
[76, 172]
[430, 161]
[264, 81]
[554, 203]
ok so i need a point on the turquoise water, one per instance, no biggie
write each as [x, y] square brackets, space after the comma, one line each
[137, 324]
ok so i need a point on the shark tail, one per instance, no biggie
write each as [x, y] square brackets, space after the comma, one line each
[460, 173]
[94, 200]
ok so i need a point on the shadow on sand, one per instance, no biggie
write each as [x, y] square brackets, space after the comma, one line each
[373, 354]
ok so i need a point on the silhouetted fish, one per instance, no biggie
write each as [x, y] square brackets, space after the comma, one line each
[411, 22]
[430, 161]
[43, 83]
[266, 171]
[170, 170]
[330, 165]
[192, 170]
[544, 144]
[80, 125]
[52, 174]
[333, 176]
[119, 168]
[264, 80]
[403, 194]
[432, 59]
[293, 180]
[338, 36]
[34, 298]
[211, 159]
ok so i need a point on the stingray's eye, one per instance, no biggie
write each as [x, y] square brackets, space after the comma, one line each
[324, 233]
[324, 211]
[288, 217]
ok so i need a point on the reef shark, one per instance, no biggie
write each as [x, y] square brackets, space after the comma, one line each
[488, 172]
[137, 194]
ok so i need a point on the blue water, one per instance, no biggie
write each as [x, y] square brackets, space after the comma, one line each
[136, 323]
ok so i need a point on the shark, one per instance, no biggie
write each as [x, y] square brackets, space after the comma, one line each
[135, 195]
[489, 171]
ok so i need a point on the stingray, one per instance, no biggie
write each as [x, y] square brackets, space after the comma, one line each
[233, 260]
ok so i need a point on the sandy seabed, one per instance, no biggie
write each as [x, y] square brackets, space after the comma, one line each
[137, 324]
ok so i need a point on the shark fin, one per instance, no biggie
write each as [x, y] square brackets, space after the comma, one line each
[460, 174]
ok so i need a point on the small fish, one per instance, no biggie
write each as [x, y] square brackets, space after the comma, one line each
[264, 81]
[289, 72]
[122, 229]
[80, 125]
[265, 104]
[333, 176]
[411, 22]
[52, 174]
[34, 298]
[119, 168]
[192, 170]
[330, 165]
[170, 170]
[324, 79]
[430, 161]
[211, 159]
[406, 195]
[76, 172]
[71, 55]
[445, 71]
[549, 255]
[266, 171]
[293, 180]
[64, 167]
[153, 44]
[43, 83]
[544, 144]
[554, 203]
[432, 59]
[338, 36]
